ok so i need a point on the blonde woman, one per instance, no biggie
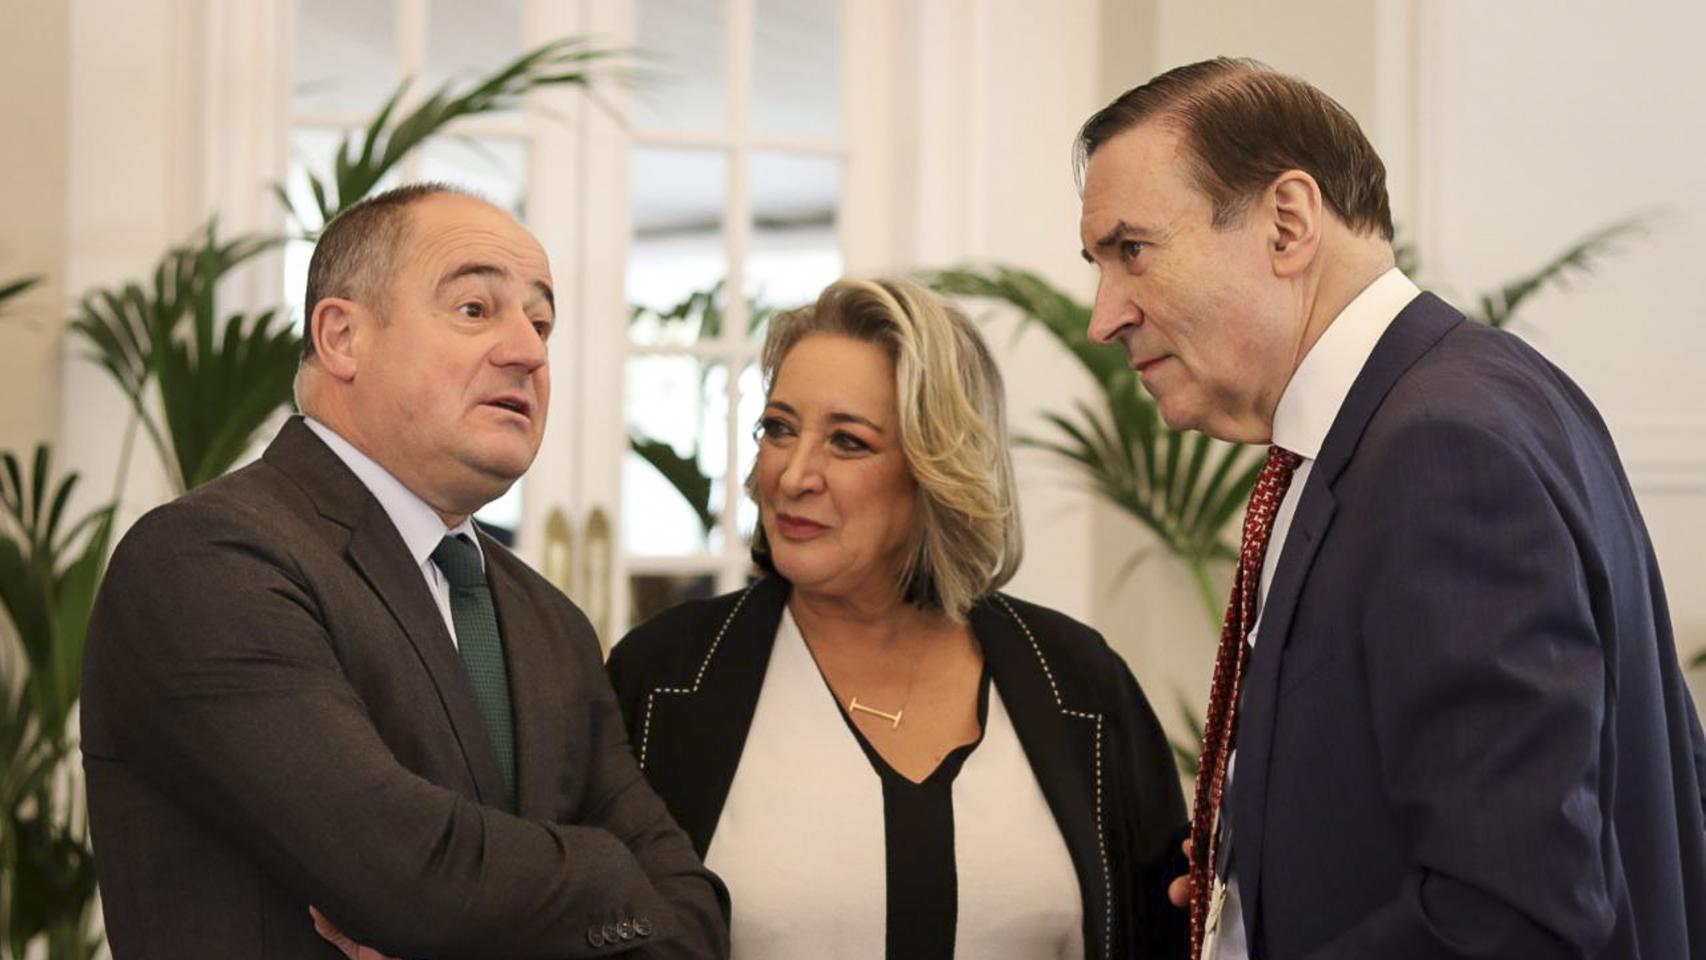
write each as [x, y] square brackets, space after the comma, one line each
[879, 753]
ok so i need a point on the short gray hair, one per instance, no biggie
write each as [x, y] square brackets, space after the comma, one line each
[357, 251]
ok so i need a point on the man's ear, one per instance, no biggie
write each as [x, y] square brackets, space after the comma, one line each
[1294, 206]
[337, 327]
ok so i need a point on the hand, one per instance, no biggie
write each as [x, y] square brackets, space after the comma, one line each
[1179, 891]
[337, 938]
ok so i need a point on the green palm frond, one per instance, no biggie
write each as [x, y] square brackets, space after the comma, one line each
[26, 759]
[1498, 309]
[364, 159]
[49, 570]
[218, 391]
[48, 574]
[53, 885]
[682, 473]
[1041, 303]
[121, 324]
[701, 311]
[1698, 662]
[138, 335]
[14, 288]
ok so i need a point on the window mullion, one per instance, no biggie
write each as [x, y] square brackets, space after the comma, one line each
[411, 57]
[738, 237]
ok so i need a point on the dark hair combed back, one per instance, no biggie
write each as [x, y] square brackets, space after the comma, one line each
[357, 251]
[1245, 124]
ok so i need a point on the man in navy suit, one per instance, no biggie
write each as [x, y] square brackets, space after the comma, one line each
[1456, 725]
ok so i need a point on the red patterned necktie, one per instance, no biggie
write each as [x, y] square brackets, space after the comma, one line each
[1229, 663]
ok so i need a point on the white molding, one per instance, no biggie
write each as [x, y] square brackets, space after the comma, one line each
[874, 50]
[602, 236]
[244, 134]
[1430, 67]
[1396, 125]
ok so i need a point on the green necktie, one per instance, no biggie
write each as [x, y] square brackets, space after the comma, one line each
[481, 647]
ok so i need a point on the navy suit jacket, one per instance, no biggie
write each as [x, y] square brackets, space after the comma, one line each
[1465, 730]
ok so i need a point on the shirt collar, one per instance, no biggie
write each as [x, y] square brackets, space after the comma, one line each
[1317, 390]
[417, 523]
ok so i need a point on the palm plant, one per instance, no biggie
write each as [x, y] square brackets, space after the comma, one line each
[1498, 308]
[681, 472]
[221, 379]
[215, 391]
[49, 570]
[358, 169]
[10, 289]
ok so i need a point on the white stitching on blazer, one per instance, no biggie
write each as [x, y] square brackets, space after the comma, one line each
[698, 678]
[1096, 718]
[1101, 833]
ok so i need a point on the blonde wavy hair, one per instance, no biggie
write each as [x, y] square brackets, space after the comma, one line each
[953, 433]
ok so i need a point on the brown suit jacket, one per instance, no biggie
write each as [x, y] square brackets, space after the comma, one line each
[274, 716]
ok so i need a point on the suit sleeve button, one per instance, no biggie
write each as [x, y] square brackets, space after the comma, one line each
[609, 931]
[643, 926]
[625, 930]
[594, 937]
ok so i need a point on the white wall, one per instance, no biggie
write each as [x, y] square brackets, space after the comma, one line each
[1527, 143]
[992, 94]
[34, 80]
[172, 108]
[127, 186]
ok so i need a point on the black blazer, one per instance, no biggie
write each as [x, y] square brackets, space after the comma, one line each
[688, 681]
[1465, 732]
[274, 716]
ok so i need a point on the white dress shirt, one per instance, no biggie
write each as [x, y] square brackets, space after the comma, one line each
[417, 523]
[1305, 414]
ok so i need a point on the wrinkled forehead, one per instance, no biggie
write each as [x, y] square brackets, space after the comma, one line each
[445, 230]
[1144, 171]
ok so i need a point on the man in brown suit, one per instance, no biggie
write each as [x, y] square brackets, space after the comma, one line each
[314, 683]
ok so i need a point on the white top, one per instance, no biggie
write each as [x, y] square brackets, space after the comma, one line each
[417, 523]
[1304, 415]
[801, 838]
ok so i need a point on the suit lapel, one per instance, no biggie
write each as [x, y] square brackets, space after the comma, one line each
[377, 552]
[1412, 333]
[695, 724]
[1060, 738]
[542, 746]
